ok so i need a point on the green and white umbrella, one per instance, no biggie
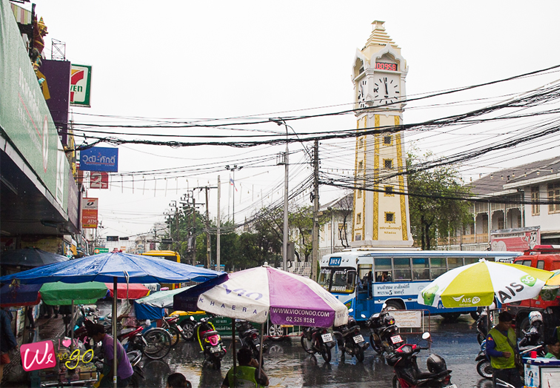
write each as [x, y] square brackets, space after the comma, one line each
[477, 284]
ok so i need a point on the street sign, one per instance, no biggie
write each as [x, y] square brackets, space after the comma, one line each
[100, 250]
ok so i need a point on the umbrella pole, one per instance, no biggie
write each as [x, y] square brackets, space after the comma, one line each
[261, 350]
[71, 326]
[115, 332]
[233, 343]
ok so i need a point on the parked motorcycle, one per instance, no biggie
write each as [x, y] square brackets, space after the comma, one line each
[210, 342]
[350, 339]
[175, 331]
[482, 326]
[407, 373]
[384, 337]
[250, 337]
[317, 340]
[483, 366]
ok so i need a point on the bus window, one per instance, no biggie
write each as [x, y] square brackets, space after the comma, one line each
[402, 269]
[324, 278]
[383, 270]
[343, 281]
[471, 260]
[437, 266]
[421, 269]
[454, 262]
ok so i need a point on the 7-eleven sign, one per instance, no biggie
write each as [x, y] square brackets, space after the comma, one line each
[80, 85]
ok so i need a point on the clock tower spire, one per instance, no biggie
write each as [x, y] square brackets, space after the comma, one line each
[380, 215]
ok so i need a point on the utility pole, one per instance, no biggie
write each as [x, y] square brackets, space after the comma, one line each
[194, 230]
[208, 246]
[218, 266]
[315, 210]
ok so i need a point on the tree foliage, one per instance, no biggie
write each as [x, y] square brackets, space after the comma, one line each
[434, 210]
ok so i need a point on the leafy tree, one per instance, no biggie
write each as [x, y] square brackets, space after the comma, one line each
[434, 207]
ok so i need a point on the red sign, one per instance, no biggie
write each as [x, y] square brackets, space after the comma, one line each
[38, 355]
[89, 213]
[99, 180]
[515, 240]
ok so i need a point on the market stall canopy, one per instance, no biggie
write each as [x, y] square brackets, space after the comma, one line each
[13, 295]
[62, 294]
[477, 285]
[161, 299]
[31, 257]
[256, 293]
[106, 267]
[554, 280]
[129, 291]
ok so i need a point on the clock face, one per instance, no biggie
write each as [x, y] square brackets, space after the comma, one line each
[386, 89]
[362, 92]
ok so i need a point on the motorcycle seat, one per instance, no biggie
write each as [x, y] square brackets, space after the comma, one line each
[423, 377]
[127, 330]
[210, 333]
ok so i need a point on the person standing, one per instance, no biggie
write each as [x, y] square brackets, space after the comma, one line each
[7, 341]
[246, 374]
[501, 348]
[124, 368]
[553, 347]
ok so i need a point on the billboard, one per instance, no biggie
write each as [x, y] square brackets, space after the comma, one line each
[89, 213]
[80, 85]
[515, 240]
[98, 180]
[57, 82]
[99, 159]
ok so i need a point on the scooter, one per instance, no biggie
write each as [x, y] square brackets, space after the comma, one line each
[483, 366]
[407, 373]
[250, 337]
[350, 339]
[210, 342]
[317, 340]
[384, 337]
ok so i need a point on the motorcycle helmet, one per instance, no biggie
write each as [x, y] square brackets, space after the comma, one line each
[534, 317]
[351, 321]
[436, 364]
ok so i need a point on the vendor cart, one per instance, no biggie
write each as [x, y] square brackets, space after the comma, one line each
[541, 372]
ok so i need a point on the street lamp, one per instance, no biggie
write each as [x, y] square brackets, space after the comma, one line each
[232, 181]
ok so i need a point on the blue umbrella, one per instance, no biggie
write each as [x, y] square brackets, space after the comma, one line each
[114, 268]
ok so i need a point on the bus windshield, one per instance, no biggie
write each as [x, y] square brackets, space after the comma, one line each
[339, 279]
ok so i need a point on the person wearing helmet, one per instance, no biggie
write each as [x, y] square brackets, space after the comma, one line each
[501, 348]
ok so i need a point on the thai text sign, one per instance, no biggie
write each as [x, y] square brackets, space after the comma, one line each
[408, 319]
[99, 159]
[98, 180]
[515, 240]
[80, 85]
[89, 213]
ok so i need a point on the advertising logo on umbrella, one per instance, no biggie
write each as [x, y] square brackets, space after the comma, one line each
[528, 280]
[429, 295]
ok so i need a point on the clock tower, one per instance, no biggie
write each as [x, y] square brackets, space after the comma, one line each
[380, 215]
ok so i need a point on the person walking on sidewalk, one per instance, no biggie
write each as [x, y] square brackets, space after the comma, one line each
[7, 340]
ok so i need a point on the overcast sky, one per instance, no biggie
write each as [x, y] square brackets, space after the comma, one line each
[202, 60]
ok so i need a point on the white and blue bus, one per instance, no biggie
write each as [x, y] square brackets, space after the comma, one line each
[363, 279]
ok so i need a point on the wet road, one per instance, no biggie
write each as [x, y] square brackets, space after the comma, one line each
[287, 365]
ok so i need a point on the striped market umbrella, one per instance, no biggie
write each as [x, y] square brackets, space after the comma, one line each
[477, 285]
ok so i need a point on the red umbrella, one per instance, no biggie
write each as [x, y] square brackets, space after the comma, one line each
[129, 291]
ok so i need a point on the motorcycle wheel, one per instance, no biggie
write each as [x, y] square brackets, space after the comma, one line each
[359, 354]
[396, 383]
[307, 345]
[326, 353]
[484, 368]
[188, 330]
[375, 346]
[217, 364]
[158, 343]
[175, 335]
